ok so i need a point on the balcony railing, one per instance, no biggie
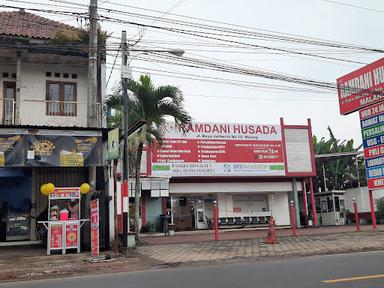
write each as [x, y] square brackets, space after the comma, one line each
[49, 113]
[7, 110]
[57, 113]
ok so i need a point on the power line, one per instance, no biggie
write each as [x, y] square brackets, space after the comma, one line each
[353, 6]
[193, 33]
[226, 23]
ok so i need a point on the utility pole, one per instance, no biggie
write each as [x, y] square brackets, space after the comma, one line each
[125, 75]
[91, 104]
[92, 66]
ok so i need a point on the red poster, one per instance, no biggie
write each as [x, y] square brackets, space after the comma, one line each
[361, 87]
[376, 183]
[213, 149]
[71, 235]
[56, 236]
[95, 227]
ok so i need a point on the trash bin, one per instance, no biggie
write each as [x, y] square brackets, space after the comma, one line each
[164, 223]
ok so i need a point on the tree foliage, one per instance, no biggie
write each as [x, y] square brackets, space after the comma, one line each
[154, 105]
[341, 173]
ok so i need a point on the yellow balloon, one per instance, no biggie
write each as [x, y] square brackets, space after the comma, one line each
[84, 188]
[50, 188]
[43, 190]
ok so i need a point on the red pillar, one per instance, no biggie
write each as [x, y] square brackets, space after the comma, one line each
[293, 222]
[372, 206]
[313, 202]
[305, 206]
[164, 203]
[215, 220]
[356, 215]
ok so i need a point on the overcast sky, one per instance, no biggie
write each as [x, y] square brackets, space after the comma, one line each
[221, 102]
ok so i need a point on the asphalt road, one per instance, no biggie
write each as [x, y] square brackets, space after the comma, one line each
[290, 273]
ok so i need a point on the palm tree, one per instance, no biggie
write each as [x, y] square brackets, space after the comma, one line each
[153, 105]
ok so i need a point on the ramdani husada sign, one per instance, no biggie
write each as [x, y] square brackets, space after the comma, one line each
[361, 87]
[219, 149]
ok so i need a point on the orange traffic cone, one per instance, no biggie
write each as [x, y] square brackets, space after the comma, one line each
[271, 238]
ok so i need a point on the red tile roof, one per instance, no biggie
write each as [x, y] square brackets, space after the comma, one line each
[29, 25]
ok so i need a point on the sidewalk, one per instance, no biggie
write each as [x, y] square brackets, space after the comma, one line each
[26, 263]
[229, 250]
[244, 234]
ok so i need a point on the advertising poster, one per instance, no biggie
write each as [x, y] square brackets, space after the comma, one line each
[11, 148]
[65, 193]
[95, 227]
[212, 149]
[64, 151]
[361, 88]
[113, 144]
[372, 131]
[71, 236]
[56, 240]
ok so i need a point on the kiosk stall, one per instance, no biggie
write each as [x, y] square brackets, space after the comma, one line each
[64, 221]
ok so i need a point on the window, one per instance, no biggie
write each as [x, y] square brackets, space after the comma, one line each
[61, 98]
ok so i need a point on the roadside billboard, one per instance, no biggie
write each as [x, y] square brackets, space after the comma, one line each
[219, 149]
[372, 130]
[361, 88]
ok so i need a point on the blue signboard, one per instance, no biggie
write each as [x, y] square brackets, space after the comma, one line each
[373, 162]
[372, 121]
[374, 141]
[375, 172]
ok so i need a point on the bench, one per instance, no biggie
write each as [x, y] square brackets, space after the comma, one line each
[237, 222]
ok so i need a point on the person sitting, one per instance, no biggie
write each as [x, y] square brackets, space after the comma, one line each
[73, 208]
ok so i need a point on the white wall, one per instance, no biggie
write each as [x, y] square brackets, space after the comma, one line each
[241, 187]
[280, 208]
[33, 93]
[362, 198]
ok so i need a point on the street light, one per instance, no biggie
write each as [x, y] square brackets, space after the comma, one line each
[126, 75]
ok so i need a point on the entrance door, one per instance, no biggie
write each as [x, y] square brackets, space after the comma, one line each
[9, 96]
[201, 220]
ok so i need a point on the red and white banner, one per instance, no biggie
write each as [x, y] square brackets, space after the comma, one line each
[213, 149]
[56, 241]
[72, 234]
[361, 87]
[65, 193]
[95, 227]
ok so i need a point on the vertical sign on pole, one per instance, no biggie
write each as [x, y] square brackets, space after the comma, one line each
[372, 130]
[95, 227]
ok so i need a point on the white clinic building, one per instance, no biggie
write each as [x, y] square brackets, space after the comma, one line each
[253, 171]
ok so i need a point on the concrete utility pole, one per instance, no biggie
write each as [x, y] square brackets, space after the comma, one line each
[92, 65]
[125, 75]
[91, 109]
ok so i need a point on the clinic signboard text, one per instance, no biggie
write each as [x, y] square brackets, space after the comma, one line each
[372, 130]
[219, 149]
[361, 88]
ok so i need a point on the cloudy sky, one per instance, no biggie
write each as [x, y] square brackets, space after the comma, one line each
[214, 96]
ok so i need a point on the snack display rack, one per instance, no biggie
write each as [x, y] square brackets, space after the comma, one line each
[63, 232]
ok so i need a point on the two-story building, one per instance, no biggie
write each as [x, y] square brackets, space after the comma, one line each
[44, 136]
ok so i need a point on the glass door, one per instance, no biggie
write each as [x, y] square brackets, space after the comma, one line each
[201, 220]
